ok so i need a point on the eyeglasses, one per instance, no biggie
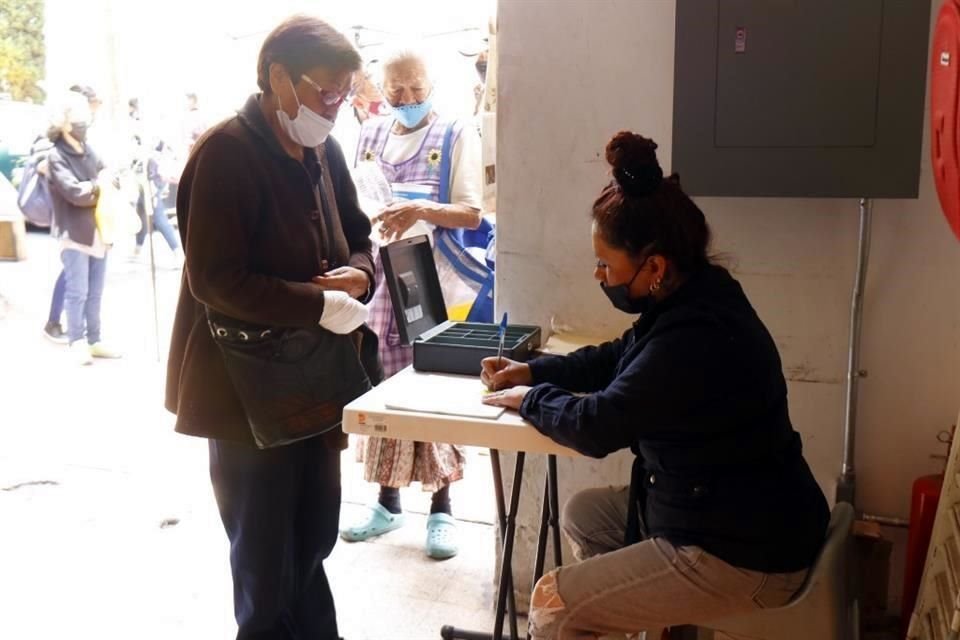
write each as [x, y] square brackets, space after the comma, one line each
[329, 97]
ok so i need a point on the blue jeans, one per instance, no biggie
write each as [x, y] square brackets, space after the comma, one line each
[280, 508]
[85, 278]
[160, 223]
[56, 302]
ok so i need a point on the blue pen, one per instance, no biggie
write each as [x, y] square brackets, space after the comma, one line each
[503, 335]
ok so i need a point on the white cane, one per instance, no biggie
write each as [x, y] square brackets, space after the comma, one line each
[148, 208]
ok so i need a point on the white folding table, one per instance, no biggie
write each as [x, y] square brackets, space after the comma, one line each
[369, 415]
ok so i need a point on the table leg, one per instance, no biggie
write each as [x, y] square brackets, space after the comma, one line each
[507, 525]
[542, 533]
[452, 633]
[502, 521]
[549, 518]
[506, 563]
[554, 497]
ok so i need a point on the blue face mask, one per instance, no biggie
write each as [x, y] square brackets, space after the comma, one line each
[410, 115]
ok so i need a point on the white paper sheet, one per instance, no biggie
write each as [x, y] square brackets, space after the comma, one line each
[444, 395]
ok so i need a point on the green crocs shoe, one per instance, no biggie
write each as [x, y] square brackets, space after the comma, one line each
[380, 522]
[441, 536]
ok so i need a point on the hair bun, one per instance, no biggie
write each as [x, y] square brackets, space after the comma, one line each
[634, 162]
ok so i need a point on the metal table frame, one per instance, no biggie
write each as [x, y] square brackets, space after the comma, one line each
[549, 521]
[369, 415]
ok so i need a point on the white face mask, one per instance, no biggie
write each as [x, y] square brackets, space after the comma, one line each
[308, 128]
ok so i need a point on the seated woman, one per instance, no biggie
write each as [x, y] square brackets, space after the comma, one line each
[722, 515]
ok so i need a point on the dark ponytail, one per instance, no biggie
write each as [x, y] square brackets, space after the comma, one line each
[641, 212]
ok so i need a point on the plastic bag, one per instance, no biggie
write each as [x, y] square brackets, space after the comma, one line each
[373, 190]
[467, 283]
[114, 215]
[375, 194]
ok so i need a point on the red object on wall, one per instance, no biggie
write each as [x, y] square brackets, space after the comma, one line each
[923, 511]
[944, 85]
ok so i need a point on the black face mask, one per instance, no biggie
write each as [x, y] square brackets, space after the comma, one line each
[482, 70]
[619, 296]
[78, 130]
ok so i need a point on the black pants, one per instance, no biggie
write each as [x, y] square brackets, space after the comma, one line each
[280, 508]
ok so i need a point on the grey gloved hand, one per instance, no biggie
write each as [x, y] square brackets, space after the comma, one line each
[341, 313]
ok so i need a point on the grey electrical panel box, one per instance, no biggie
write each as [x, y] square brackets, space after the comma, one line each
[800, 98]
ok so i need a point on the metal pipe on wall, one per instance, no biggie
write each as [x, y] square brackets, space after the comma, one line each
[886, 521]
[846, 483]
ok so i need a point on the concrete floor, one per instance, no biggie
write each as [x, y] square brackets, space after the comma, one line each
[108, 528]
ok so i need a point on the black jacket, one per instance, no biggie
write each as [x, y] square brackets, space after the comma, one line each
[695, 389]
[73, 190]
[252, 223]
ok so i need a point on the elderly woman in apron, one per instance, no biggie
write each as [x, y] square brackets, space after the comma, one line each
[433, 165]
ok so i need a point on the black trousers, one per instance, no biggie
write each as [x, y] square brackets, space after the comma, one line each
[280, 508]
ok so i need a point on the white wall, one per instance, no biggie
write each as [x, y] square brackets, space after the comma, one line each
[574, 72]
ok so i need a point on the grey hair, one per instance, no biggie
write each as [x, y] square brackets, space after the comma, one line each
[403, 54]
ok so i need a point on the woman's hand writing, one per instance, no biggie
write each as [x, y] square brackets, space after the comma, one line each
[503, 373]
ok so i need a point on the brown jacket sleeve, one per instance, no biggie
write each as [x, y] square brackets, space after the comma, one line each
[224, 203]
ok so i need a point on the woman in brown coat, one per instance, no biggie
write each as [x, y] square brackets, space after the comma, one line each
[273, 237]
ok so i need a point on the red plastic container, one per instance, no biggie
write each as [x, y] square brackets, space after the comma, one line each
[944, 90]
[923, 511]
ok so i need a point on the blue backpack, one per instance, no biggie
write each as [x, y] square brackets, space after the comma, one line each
[33, 195]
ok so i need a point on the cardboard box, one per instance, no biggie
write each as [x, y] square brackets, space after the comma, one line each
[13, 239]
[873, 564]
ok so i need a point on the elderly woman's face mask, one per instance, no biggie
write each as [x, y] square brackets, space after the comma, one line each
[409, 94]
[410, 115]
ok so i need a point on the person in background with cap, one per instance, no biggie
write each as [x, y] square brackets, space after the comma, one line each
[161, 172]
[194, 123]
[366, 99]
[75, 173]
[53, 330]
